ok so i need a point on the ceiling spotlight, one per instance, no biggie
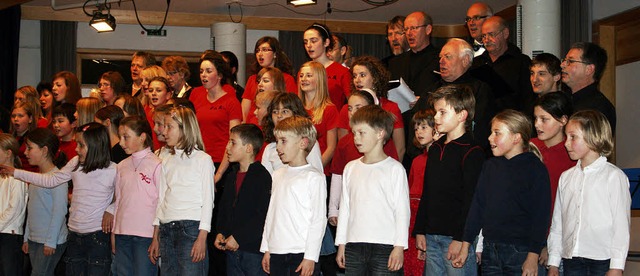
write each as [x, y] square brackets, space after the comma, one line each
[301, 2]
[103, 22]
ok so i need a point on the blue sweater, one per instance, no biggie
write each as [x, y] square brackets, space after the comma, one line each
[47, 209]
[512, 203]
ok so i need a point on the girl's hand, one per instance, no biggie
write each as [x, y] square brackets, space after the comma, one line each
[219, 242]
[333, 221]
[107, 222]
[154, 250]
[6, 170]
[232, 244]
[266, 262]
[544, 257]
[396, 258]
[306, 267]
[340, 256]
[113, 243]
[530, 265]
[25, 248]
[199, 249]
[48, 251]
[614, 272]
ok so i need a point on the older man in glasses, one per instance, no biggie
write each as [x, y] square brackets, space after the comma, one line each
[476, 15]
[503, 66]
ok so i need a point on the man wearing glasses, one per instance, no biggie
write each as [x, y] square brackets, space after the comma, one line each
[581, 71]
[503, 67]
[395, 36]
[476, 15]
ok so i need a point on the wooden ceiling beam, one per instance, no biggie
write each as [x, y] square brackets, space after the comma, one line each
[10, 3]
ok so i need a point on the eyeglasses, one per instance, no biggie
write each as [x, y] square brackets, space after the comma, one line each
[475, 18]
[572, 61]
[491, 35]
[105, 85]
[392, 34]
[263, 50]
[413, 28]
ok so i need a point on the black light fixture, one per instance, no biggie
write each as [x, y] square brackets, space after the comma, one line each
[298, 3]
[103, 22]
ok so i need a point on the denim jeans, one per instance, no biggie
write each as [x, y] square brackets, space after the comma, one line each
[286, 264]
[503, 259]
[132, 256]
[368, 259]
[585, 267]
[437, 263]
[241, 263]
[10, 254]
[176, 241]
[88, 253]
[41, 264]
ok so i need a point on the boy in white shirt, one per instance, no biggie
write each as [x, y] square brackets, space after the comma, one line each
[296, 218]
[373, 223]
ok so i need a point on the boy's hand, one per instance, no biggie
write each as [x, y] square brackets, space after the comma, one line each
[479, 258]
[530, 265]
[25, 248]
[306, 267]
[266, 262]
[396, 258]
[333, 221]
[461, 257]
[340, 256]
[107, 222]
[48, 251]
[199, 249]
[154, 250]
[421, 243]
[454, 250]
[232, 244]
[219, 242]
[113, 243]
[614, 272]
[544, 257]
[553, 271]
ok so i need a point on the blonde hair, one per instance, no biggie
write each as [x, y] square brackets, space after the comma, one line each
[518, 123]
[30, 110]
[149, 73]
[87, 108]
[190, 138]
[32, 96]
[299, 126]
[596, 129]
[8, 142]
[321, 98]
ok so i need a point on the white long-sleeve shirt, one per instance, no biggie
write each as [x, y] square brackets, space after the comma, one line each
[187, 192]
[591, 217]
[13, 203]
[271, 161]
[374, 206]
[296, 218]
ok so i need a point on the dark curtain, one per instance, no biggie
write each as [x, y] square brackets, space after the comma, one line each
[57, 47]
[10, 45]
[576, 23]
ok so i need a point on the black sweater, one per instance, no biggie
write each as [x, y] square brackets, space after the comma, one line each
[242, 215]
[512, 202]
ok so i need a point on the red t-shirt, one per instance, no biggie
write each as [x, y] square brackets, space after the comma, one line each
[346, 152]
[338, 83]
[239, 178]
[69, 148]
[416, 175]
[148, 111]
[42, 122]
[557, 160]
[251, 89]
[214, 118]
[329, 122]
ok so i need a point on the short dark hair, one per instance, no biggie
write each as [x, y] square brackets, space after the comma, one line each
[557, 104]
[593, 54]
[548, 60]
[459, 97]
[396, 21]
[112, 113]
[139, 125]
[250, 134]
[98, 146]
[289, 101]
[66, 110]
[149, 58]
[375, 117]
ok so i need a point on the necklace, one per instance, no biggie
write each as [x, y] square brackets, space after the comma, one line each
[135, 167]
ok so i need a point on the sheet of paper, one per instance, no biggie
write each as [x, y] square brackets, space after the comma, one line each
[402, 95]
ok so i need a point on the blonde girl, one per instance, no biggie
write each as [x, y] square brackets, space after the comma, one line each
[86, 109]
[511, 203]
[147, 75]
[591, 217]
[137, 183]
[185, 201]
[159, 93]
[23, 121]
[13, 203]
[30, 94]
[312, 89]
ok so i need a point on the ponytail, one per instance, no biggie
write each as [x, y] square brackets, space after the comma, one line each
[535, 150]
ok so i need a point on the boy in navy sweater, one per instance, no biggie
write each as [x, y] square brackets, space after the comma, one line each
[244, 203]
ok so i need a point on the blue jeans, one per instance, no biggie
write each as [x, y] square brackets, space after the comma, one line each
[176, 241]
[286, 264]
[10, 254]
[503, 259]
[240, 263]
[437, 263]
[88, 253]
[368, 259]
[41, 264]
[585, 267]
[132, 256]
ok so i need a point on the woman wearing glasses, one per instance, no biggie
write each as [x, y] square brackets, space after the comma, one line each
[268, 54]
[111, 86]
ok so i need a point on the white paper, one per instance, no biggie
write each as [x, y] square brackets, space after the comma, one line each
[402, 95]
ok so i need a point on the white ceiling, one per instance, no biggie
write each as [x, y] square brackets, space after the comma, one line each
[443, 12]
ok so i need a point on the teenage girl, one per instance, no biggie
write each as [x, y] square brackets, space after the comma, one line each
[90, 220]
[185, 201]
[110, 117]
[30, 94]
[284, 105]
[269, 54]
[511, 203]
[312, 89]
[591, 217]
[269, 79]
[47, 102]
[86, 109]
[159, 92]
[137, 183]
[13, 203]
[147, 75]
[317, 42]
[22, 121]
[66, 87]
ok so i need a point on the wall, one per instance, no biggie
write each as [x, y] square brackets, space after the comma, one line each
[606, 8]
[627, 103]
[29, 55]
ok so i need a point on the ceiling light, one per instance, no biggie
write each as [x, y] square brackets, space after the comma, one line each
[103, 22]
[301, 2]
